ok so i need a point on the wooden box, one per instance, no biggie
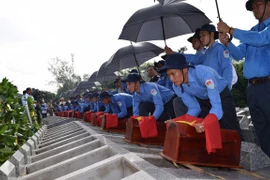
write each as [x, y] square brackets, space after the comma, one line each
[185, 146]
[133, 134]
[94, 121]
[121, 128]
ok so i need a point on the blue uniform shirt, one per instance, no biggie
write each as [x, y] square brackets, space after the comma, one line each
[120, 103]
[154, 93]
[82, 107]
[195, 59]
[204, 83]
[217, 57]
[165, 81]
[97, 106]
[255, 48]
[70, 107]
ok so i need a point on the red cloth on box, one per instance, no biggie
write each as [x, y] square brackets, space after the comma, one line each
[77, 114]
[111, 121]
[147, 125]
[99, 120]
[88, 116]
[60, 114]
[70, 113]
[211, 127]
[212, 133]
[65, 113]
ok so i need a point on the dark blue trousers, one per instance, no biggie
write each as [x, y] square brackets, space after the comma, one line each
[258, 97]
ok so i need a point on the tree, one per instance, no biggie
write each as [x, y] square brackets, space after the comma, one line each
[64, 76]
[239, 89]
[86, 77]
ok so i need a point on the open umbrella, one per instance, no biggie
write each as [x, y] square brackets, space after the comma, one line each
[132, 56]
[105, 74]
[82, 86]
[93, 76]
[163, 21]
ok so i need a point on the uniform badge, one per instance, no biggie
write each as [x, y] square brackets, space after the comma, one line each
[226, 54]
[210, 84]
[153, 92]
[119, 103]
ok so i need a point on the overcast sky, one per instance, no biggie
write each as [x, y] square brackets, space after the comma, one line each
[34, 31]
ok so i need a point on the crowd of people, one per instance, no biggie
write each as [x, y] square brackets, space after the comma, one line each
[197, 85]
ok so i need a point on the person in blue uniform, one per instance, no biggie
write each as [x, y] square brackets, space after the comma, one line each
[98, 105]
[202, 91]
[120, 104]
[254, 47]
[214, 54]
[163, 79]
[120, 86]
[150, 98]
[89, 102]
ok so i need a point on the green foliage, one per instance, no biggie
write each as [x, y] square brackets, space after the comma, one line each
[239, 89]
[14, 126]
[33, 114]
[64, 76]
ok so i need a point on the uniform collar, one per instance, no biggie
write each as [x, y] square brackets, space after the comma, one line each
[265, 23]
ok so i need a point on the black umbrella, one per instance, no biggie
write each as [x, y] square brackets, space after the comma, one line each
[160, 22]
[133, 55]
[82, 86]
[105, 74]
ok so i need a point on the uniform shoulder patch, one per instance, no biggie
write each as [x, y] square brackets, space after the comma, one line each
[153, 92]
[226, 54]
[119, 103]
[210, 84]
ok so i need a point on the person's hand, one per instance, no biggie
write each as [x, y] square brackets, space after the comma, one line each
[168, 50]
[199, 127]
[223, 27]
[223, 38]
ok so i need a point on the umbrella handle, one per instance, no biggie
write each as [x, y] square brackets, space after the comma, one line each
[230, 36]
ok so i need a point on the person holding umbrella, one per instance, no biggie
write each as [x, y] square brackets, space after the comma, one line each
[254, 48]
[197, 84]
[215, 54]
[120, 104]
[150, 98]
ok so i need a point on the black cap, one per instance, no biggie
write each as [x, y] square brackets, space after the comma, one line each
[249, 5]
[196, 35]
[175, 61]
[134, 71]
[104, 94]
[95, 95]
[159, 62]
[210, 28]
[132, 77]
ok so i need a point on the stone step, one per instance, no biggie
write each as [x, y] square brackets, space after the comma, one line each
[70, 153]
[62, 148]
[72, 134]
[113, 168]
[59, 135]
[57, 144]
[71, 165]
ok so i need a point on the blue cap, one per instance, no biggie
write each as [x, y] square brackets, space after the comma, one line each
[210, 28]
[175, 61]
[89, 95]
[196, 35]
[249, 5]
[134, 71]
[74, 102]
[159, 62]
[132, 77]
[104, 94]
[95, 95]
